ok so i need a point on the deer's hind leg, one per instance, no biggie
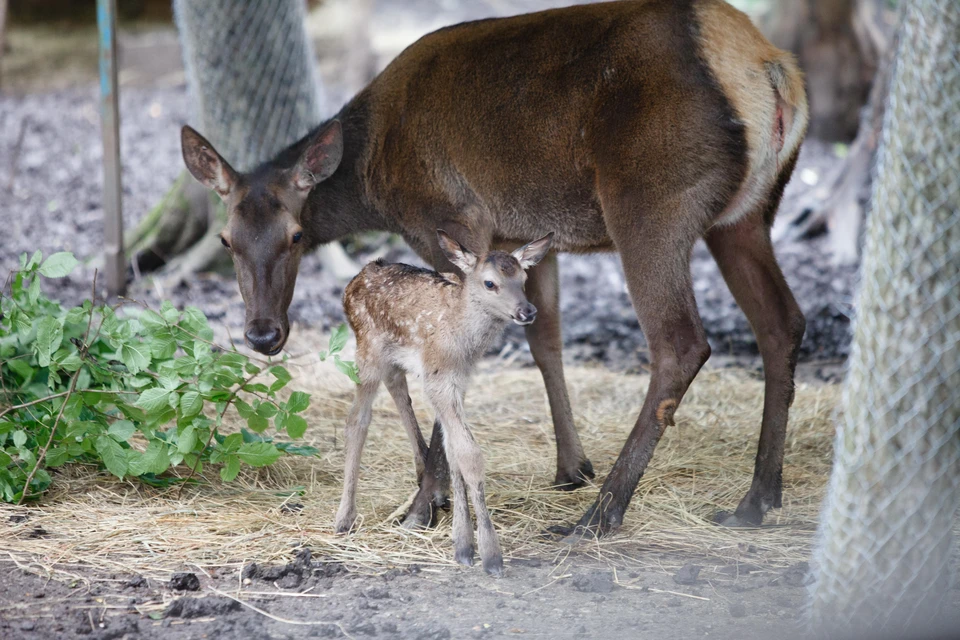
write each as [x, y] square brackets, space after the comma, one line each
[355, 434]
[396, 383]
[745, 256]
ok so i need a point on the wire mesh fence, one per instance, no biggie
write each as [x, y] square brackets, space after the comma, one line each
[251, 73]
[883, 562]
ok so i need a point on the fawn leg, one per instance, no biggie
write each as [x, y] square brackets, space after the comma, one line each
[355, 434]
[462, 524]
[396, 383]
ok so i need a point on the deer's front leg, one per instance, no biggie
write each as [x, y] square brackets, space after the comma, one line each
[546, 344]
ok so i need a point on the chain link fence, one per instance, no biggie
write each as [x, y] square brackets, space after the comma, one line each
[883, 562]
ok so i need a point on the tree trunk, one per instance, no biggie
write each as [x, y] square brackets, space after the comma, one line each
[251, 72]
[831, 50]
[883, 560]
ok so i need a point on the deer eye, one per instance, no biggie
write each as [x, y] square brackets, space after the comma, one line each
[297, 237]
[489, 284]
[224, 242]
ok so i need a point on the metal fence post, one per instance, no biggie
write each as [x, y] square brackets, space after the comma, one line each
[114, 262]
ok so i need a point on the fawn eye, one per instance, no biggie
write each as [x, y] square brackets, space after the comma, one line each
[297, 237]
[224, 242]
[489, 284]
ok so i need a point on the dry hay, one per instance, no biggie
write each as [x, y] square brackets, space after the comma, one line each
[703, 464]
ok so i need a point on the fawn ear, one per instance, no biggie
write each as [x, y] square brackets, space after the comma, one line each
[321, 157]
[456, 253]
[205, 163]
[532, 253]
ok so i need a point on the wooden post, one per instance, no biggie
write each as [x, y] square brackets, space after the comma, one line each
[114, 262]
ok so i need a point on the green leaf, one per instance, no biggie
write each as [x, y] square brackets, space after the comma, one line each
[153, 400]
[243, 409]
[49, 336]
[296, 426]
[297, 450]
[299, 401]
[230, 469]
[136, 356]
[19, 438]
[251, 368]
[152, 321]
[34, 260]
[169, 312]
[58, 265]
[56, 456]
[121, 430]
[188, 439]
[190, 404]
[283, 377]
[154, 460]
[258, 454]
[75, 316]
[113, 456]
[232, 442]
[347, 368]
[338, 339]
[257, 423]
[266, 410]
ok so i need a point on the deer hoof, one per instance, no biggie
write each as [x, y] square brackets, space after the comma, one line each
[594, 524]
[738, 519]
[494, 566]
[574, 479]
[464, 556]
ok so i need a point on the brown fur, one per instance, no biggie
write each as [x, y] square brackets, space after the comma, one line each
[636, 126]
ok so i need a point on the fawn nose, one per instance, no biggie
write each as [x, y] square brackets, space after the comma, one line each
[263, 336]
[526, 313]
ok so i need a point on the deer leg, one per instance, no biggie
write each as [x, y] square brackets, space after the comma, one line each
[434, 485]
[466, 465]
[355, 431]
[543, 290]
[745, 256]
[462, 525]
[396, 382]
[655, 249]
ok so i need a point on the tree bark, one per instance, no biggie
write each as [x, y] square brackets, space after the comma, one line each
[883, 560]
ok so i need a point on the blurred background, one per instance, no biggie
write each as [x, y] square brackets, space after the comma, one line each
[51, 168]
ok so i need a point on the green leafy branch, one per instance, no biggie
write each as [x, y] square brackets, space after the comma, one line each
[134, 390]
[338, 340]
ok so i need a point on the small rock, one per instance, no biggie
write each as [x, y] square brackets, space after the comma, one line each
[136, 582]
[364, 628]
[185, 582]
[292, 507]
[200, 607]
[687, 574]
[28, 625]
[388, 627]
[738, 609]
[290, 581]
[598, 582]
[250, 571]
[376, 593]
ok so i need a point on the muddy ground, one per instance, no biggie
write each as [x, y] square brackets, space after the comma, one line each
[574, 598]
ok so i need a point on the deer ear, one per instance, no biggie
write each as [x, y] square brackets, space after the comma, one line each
[321, 157]
[532, 253]
[456, 253]
[205, 163]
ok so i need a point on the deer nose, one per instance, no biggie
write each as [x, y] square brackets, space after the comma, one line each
[526, 313]
[263, 336]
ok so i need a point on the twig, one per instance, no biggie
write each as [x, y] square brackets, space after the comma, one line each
[673, 593]
[58, 395]
[307, 623]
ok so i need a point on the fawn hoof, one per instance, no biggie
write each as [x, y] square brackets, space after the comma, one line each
[594, 524]
[570, 479]
[464, 556]
[749, 513]
[494, 565]
[424, 511]
[344, 525]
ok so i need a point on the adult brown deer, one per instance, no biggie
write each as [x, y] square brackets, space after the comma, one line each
[410, 320]
[635, 127]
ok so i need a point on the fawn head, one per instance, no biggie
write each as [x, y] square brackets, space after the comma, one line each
[263, 231]
[495, 281]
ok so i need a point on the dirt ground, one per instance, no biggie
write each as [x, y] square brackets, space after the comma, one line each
[50, 181]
